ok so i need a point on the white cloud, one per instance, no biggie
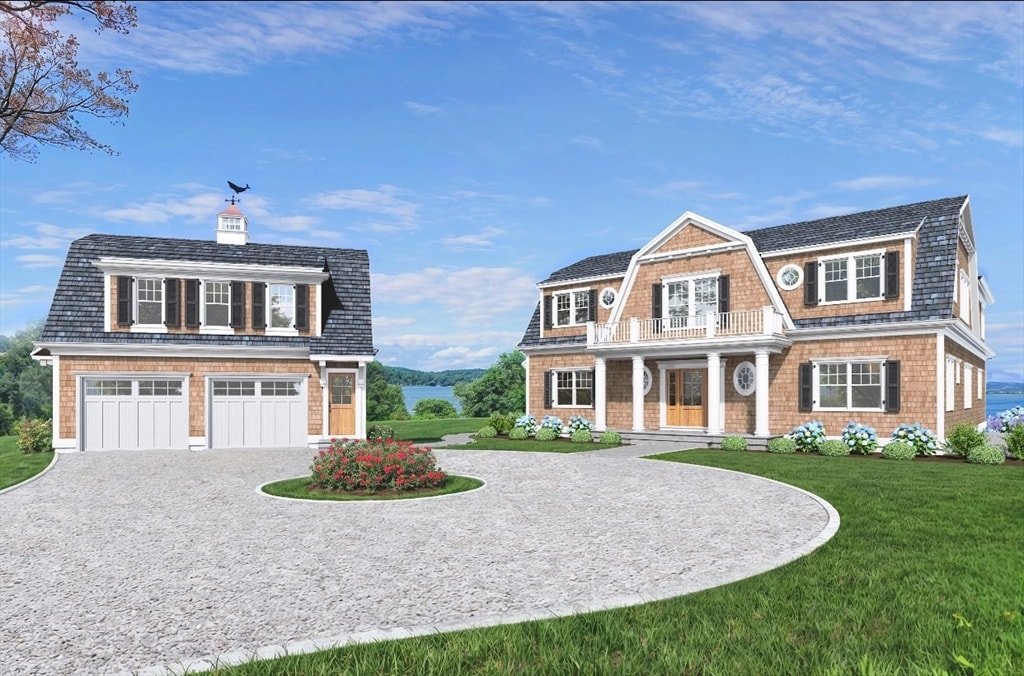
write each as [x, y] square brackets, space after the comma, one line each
[422, 109]
[388, 322]
[194, 208]
[291, 223]
[385, 200]
[473, 296]
[47, 236]
[461, 357]
[421, 340]
[882, 183]
[1013, 138]
[34, 261]
[25, 294]
[672, 189]
[482, 239]
[827, 210]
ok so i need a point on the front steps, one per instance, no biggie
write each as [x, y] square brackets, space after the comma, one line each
[692, 439]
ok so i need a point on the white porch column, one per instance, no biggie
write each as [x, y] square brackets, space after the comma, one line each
[761, 394]
[638, 394]
[600, 395]
[714, 377]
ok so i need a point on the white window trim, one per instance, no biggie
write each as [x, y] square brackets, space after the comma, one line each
[964, 282]
[139, 327]
[600, 297]
[203, 326]
[554, 388]
[744, 392]
[849, 384]
[572, 307]
[851, 277]
[950, 365]
[981, 384]
[278, 330]
[799, 277]
[968, 385]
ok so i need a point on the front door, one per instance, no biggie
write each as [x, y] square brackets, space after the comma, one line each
[342, 413]
[686, 392]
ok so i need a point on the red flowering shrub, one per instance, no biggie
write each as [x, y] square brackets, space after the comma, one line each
[374, 465]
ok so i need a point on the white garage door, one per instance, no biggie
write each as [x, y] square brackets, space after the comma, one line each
[134, 414]
[258, 413]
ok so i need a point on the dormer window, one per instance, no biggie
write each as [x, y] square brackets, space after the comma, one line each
[218, 303]
[853, 277]
[570, 308]
[282, 306]
[150, 302]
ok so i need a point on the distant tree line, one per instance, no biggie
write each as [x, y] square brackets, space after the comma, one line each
[399, 375]
[26, 389]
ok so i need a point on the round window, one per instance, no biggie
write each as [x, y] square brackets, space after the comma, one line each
[607, 298]
[744, 378]
[790, 277]
[648, 380]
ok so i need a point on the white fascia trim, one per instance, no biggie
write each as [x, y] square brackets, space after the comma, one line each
[359, 358]
[965, 228]
[580, 348]
[188, 352]
[908, 274]
[965, 338]
[107, 320]
[724, 346]
[878, 330]
[166, 375]
[143, 267]
[822, 248]
[578, 281]
[985, 292]
[689, 253]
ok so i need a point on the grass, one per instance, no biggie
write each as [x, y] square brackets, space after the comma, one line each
[506, 444]
[15, 466]
[925, 576]
[430, 431]
[299, 488]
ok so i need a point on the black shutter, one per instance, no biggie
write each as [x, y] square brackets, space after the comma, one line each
[238, 305]
[192, 303]
[172, 303]
[656, 307]
[892, 386]
[547, 389]
[302, 307]
[593, 390]
[547, 312]
[810, 284]
[723, 301]
[892, 275]
[259, 299]
[592, 311]
[806, 398]
[124, 301]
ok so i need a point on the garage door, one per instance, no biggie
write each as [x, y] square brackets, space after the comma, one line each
[258, 413]
[134, 414]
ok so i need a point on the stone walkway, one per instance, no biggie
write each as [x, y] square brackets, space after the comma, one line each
[152, 562]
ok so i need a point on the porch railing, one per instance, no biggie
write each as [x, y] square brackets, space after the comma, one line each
[764, 321]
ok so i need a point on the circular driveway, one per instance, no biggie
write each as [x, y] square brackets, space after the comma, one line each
[126, 562]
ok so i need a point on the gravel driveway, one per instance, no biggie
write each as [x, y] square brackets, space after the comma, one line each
[129, 562]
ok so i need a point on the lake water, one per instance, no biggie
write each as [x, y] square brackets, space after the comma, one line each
[997, 403]
[414, 393]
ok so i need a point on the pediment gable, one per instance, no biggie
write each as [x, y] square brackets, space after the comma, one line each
[691, 234]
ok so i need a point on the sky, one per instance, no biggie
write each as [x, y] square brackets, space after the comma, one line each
[474, 148]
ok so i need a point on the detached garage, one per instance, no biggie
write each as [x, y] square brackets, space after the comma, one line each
[130, 413]
[258, 412]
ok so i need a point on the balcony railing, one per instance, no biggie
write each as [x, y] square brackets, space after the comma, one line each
[763, 322]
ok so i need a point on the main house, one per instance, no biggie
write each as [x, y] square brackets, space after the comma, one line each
[161, 343]
[875, 317]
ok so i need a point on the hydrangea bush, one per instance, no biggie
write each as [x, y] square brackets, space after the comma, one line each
[860, 438]
[580, 423]
[808, 437]
[526, 422]
[1007, 420]
[921, 438]
[552, 422]
[375, 464]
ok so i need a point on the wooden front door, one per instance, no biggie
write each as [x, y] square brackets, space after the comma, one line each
[686, 395]
[342, 408]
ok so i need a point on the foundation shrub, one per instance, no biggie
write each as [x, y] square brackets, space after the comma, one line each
[34, 436]
[986, 455]
[380, 432]
[808, 437]
[373, 465]
[859, 439]
[546, 434]
[610, 437]
[486, 432]
[734, 444]
[518, 434]
[921, 438]
[963, 438]
[502, 422]
[782, 445]
[1015, 442]
[552, 422]
[526, 422]
[581, 436]
[899, 450]
[835, 448]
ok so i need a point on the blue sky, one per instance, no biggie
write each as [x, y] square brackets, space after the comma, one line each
[474, 148]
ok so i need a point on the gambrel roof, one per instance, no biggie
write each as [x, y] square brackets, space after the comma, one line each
[77, 312]
[936, 222]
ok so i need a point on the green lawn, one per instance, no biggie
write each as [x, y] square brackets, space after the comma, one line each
[506, 444]
[430, 431]
[925, 576]
[15, 466]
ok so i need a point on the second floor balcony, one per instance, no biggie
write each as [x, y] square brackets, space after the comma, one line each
[742, 324]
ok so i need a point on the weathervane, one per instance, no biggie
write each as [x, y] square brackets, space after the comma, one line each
[238, 191]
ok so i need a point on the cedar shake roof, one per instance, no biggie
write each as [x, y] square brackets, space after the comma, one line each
[77, 312]
[934, 274]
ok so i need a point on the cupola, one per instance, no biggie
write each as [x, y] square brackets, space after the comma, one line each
[232, 226]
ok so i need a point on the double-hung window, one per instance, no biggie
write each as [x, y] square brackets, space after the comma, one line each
[574, 388]
[856, 385]
[688, 301]
[856, 277]
[217, 303]
[149, 297]
[573, 308]
[282, 306]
